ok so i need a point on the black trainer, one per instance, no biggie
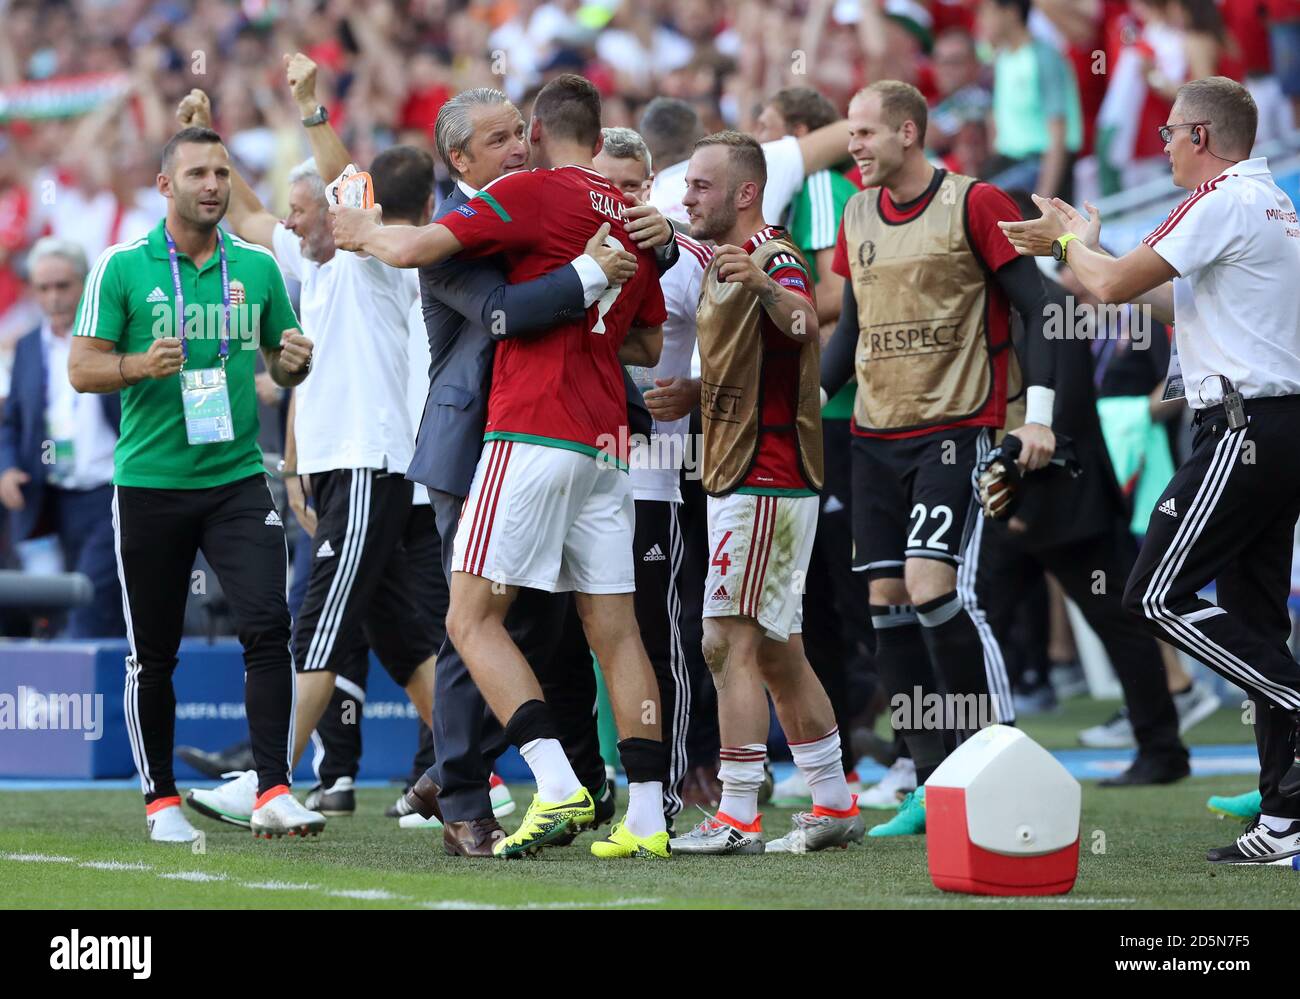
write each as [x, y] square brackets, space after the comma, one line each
[340, 799]
[1259, 845]
[1146, 771]
[238, 757]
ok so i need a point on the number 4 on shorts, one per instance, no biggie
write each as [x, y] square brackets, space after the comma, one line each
[720, 558]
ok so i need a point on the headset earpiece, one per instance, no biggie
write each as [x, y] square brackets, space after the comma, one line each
[1196, 136]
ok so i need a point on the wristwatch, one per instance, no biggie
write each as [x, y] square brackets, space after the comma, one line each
[321, 116]
[1059, 245]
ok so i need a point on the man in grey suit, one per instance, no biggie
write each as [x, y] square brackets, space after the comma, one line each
[468, 305]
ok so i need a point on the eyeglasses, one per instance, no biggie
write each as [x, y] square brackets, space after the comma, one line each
[1167, 131]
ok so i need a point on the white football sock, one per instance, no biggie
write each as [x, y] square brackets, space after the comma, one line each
[822, 764]
[645, 808]
[556, 780]
[741, 774]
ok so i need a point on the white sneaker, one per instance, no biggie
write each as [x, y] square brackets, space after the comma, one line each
[415, 820]
[899, 781]
[715, 837]
[1259, 845]
[499, 795]
[283, 816]
[231, 802]
[1114, 733]
[169, 825]
[792, 791]
[818, 832]
[1195, 704]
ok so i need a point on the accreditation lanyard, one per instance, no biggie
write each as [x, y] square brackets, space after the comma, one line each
[174, 260]
[205, 400]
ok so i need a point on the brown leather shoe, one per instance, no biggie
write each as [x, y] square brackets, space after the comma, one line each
[423, 798]
[473, 838]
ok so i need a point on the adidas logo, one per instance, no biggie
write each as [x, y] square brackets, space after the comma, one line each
[1168, 507]
[721, 593]
[325, 550]
[273, 519]
[157, 295]
[655, 554]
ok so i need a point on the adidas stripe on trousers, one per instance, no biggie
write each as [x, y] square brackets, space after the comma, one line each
[1228, 517]
[659, 550]
[158, 533]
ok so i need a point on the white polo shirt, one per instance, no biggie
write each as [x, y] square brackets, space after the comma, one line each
[656, 466]
[75, 420]
[351, 410]
[417, 380]
[1235, 242]
[784, 179]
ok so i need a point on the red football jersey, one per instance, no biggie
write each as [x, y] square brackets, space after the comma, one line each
[776, 465]
[565, 384]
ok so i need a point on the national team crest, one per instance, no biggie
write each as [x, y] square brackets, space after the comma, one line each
[237, 293]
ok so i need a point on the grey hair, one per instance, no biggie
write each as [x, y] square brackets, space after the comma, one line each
[626, 144]
[66, 249]
[453, 130]
[307, 171]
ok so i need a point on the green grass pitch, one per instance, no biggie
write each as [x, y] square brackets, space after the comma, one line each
[1140, 848]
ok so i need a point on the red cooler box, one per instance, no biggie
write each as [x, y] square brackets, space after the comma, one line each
[1002, 818]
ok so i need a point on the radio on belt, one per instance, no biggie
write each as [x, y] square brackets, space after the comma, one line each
[1234, 408]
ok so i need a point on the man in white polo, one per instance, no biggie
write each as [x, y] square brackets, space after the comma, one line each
[1224, 265]
[350, 437]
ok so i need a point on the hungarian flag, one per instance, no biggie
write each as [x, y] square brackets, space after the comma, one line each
[60, 98]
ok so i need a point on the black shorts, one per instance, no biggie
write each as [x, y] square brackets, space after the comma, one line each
[361, 577]
[428, 587]
[914, 497]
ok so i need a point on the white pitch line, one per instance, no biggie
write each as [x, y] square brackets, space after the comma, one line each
[37, 858]
[368, 895]
[193, 876]
[361, 894]
[611, 904]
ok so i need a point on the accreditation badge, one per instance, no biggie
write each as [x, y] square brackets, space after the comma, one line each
[1174, 387]
[207, 406]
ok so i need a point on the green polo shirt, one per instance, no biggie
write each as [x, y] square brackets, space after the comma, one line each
[814, 224]
[129, 300]
[1033, 85]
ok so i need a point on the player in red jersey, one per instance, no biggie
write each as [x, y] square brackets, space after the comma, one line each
[762, 469]
[551, 507]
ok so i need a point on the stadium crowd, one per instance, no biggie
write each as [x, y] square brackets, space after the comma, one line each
[1055, 97]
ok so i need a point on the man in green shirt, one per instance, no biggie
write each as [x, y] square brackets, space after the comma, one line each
[189, 471]
[1037, 118]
